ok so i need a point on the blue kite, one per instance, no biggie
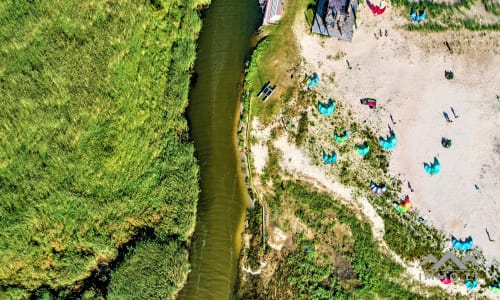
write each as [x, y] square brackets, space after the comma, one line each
[313, 81]
[417, 17]
[329, 158]
[341, 138]
[362, 149]
[433, 168]
[327, 108]
[390, 142]
[462, 245]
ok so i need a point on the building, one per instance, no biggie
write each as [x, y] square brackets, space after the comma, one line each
[336, 18]
[272, 11]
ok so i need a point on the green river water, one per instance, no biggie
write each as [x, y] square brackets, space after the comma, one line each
[213, 114]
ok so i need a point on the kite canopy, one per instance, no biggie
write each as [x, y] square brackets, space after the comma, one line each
[390, 142]
[362, 149]
[495, 288]
[377, 189]
[403, 205]
[341, 138]
[329, 159]
[417, 17]
[433, 168]
[327, 108]
[372, 103]
[446, 279]
[376, 10]
[446, 142]
[471, 284]
[313, 81]
[461, 245]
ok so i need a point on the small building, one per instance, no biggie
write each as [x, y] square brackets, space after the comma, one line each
[272, 11]
[336, 18]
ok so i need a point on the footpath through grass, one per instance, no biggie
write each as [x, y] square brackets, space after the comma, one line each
[93, 143]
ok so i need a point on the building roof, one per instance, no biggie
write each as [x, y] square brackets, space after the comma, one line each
[336, 18]
[273, 11]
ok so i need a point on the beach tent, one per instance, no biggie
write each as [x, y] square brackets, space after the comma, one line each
[313, 81]
[377, 189]
[417, 17]
[362, 149]
[446, 279]
[376, 10]
[449, 74]
[341, 138]
[498, 99]
[471, 284]
[329, 158]
[495, 288]
[461, 245]
[433, 168]
[390, 142]
[372, 103]
[327, 108]
[403, 205]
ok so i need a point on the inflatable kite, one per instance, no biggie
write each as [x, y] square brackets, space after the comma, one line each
[377, 189]
[376, 10]
[446, 279]
[341, 138]
[471, 284]
[390, 142]
[449, 75]
[494, 288]
[403, 205]
[326, 109]
[462, 245]
[417, 17]
[433, 168]
[372, 103]
[329, 159]
[362, 149]
[446, 142]
[313, 81]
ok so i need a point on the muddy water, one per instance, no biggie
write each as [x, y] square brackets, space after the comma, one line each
[213, 114]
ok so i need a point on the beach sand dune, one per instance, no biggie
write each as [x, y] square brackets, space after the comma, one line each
[405, 73]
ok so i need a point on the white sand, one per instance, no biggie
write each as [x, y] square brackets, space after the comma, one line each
[405, 73]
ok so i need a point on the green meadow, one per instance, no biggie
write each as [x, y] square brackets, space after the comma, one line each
[94, 147]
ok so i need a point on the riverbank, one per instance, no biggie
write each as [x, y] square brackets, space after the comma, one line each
[398, 68]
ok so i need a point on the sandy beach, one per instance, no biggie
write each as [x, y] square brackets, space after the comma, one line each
[404, 71]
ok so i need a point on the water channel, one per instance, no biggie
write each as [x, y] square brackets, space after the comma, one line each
[213, 114]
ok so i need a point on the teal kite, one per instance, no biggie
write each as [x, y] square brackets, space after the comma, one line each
[329, 158]
[327, 108]
[313, 81]
[471, 284]
[341, 138]
[390, 142]
[362, 149]
[495, 288]
[462, 245]
[433, 168]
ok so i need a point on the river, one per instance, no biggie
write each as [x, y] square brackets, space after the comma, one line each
[213, 114]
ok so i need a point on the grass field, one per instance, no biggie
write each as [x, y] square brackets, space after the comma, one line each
[93, 143]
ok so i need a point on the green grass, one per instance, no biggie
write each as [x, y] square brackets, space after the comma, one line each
[150, 271]
[94, 145]
[344, 262]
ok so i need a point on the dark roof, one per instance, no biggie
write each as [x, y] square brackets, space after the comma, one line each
[336, 18]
